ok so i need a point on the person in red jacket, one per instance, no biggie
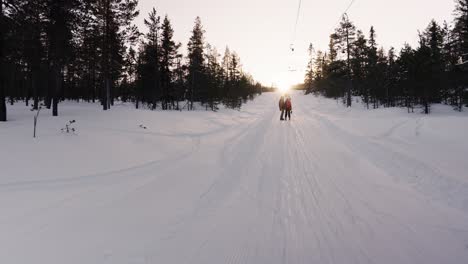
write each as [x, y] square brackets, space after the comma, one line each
[288, 107]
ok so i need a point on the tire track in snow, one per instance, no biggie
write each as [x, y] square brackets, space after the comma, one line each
[215, 200]
[408, 233]
[422, 176]
[133, 173]
[130, 171]
[343, 201]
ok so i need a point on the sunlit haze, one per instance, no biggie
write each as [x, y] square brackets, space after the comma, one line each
[262, 31]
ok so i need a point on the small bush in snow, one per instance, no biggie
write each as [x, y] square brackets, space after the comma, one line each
[69, 128]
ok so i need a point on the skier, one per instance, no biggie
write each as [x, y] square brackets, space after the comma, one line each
[281, 107]
[288, 107]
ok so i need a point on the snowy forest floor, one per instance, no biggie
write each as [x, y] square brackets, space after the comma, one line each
[334, 185]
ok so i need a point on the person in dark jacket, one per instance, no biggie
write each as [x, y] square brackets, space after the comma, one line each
[281, 107]
[288, 107]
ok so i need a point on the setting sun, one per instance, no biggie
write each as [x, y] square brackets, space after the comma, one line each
[287, 80]
[283, 89]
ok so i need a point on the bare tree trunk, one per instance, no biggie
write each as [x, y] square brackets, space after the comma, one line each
[107, 101]
[426, 102]
[158, 74]
[350, 82]
[49, 90]
[106, 66]
[460, 98]
[191, 91]
[3, 110]
[56, 91]
[34, 90]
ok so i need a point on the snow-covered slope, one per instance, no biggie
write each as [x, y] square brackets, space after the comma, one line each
[334, 185]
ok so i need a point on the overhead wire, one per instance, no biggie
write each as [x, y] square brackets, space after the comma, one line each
[343, 14]
[293, 42]
[298, 14]
[293, 39]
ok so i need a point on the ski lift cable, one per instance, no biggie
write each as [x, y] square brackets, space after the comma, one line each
[292, 48]
[343, 14]
[296, 24]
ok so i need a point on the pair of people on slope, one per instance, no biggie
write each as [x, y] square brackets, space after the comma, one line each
[285, 106]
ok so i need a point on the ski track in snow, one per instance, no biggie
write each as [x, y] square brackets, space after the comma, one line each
[249, 189]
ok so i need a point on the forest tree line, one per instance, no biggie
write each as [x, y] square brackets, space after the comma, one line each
[55, 50]
[434, 72]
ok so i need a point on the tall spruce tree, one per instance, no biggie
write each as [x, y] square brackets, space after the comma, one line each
[461, 31]
[215, 76]
[151, 72]
[196, 63]
[3, 110]
[358, 66]
[346, 34]
[461, 10]
[392, 78]
[435, 40]
[114, 20]
[372, 74]
[169, 54]
[59, 37]
[309, 74]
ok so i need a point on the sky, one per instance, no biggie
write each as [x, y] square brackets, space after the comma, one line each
[262, 31]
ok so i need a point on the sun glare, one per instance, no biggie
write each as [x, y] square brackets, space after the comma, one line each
[287, 80]
[283, 89]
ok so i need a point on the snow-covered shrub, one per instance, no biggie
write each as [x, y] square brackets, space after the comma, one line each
[69, 128]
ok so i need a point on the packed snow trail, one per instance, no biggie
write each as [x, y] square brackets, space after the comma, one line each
[243, 187]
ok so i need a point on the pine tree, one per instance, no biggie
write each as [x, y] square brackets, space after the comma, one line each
[196, 63]
[462, 24]
[406, 75]
[358, 66]
[33, 49]
[320, 65]
[168, 60]
[453, 74]
[87, 55]
[59, 38]
[151, 75]
[372, 75]
[336, 72]
[226, 64]
[382, 81]
[214, 74]
[346, 35]
[435, 38]
[422, 73]
[392, 78]
[3, 110]
[461, 31]
[309, 75]
[180, 80]
[114, 19]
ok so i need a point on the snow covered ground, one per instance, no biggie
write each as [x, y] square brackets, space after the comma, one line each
[334, 185]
